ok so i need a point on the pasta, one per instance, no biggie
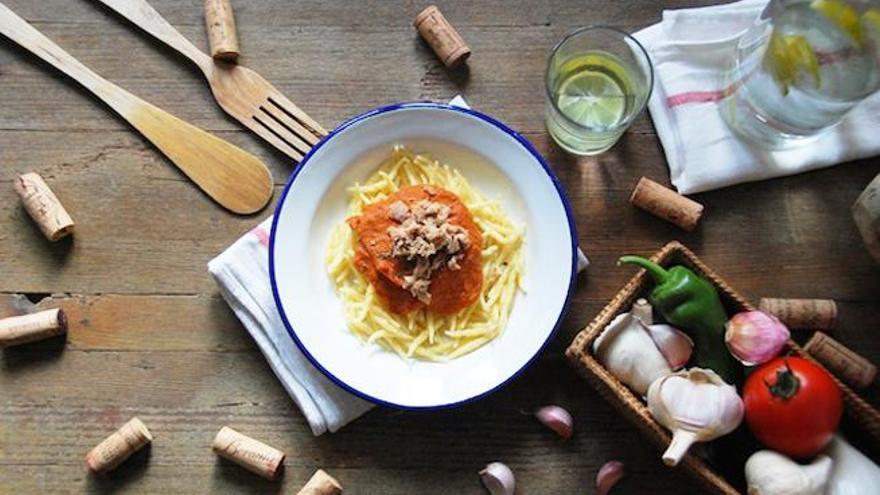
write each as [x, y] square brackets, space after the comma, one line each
[424, 334]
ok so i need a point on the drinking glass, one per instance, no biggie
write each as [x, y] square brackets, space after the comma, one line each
[598, 80]
[800, 68]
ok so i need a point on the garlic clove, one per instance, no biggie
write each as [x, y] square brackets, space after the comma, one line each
[674, 344]
[697, 405]
[642, 310]
[755, 337]
[557, 419]
[498, 479]
[609, 474]
[771, 473]
[609, 334]
[627, 351]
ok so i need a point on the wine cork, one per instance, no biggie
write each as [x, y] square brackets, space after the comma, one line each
[321, 483]
[866, 213]
[32, 327]
[251, 454]
[43, 206]
[441, 36]
[220, 22]
[805, 314]
[666, 204]
[841, 360]
[119, 446]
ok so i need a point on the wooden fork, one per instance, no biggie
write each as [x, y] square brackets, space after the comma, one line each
[241, 92]
[231, 176]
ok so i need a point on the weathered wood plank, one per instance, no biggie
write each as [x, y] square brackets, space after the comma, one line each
[143, 476]
[330, 92]
[56, 432]
[400, 68]
[372, 13]
[144, 323]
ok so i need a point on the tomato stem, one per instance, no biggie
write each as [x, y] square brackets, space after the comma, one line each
[787, 383]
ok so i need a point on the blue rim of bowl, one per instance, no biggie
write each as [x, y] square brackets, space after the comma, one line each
[437, 106]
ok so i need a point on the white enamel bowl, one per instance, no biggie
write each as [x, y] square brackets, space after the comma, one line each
[493, 158]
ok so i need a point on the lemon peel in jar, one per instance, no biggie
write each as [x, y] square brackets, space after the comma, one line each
[787, 55]
[842, 15]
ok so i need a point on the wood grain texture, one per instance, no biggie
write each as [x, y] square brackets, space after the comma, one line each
[241, 92]
[151, 337]
[231, 176]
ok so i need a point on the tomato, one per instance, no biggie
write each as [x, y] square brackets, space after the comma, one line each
[792, 406]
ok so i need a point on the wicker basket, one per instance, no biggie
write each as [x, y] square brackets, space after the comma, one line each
[579, 355]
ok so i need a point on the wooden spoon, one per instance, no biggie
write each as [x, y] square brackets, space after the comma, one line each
[231, 176]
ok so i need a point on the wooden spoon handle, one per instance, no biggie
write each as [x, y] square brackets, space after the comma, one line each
[20, 31]
[144, 16]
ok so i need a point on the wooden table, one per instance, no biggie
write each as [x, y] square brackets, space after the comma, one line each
[151, 337]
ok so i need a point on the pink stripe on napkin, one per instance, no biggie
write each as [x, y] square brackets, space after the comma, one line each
[261, 234]
[673, 101]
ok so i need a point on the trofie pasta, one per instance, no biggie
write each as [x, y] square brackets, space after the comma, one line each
[423, 333]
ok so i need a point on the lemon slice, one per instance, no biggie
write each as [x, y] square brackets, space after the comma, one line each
[592, 99]
[843, 16]
[788, 54]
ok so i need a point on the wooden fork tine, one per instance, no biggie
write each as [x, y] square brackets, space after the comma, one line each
[281, 131]
[260, 129]
[291, 108]
[295, 127]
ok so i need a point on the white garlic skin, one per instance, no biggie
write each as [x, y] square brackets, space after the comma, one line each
[627, 350]
[771, 473]
[755, 337]
[557, 419]
[498, 479]
[852, 470]
[697, 405]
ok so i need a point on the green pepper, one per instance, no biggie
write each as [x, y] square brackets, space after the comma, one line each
[691, 303]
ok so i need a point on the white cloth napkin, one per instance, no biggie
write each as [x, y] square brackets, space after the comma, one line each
[689, 49]
[242, 273]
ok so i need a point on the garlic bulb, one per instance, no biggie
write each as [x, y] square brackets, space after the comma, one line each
[626, 349]
[498, 479]
[755, 337]
[696, 405]
[771, 473]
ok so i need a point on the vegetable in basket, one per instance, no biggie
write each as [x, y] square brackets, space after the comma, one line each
[691, 303]
[755, 337]
[852, 471]
[696, 405]
[771, 473]
[792, 406]
[637, 352]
